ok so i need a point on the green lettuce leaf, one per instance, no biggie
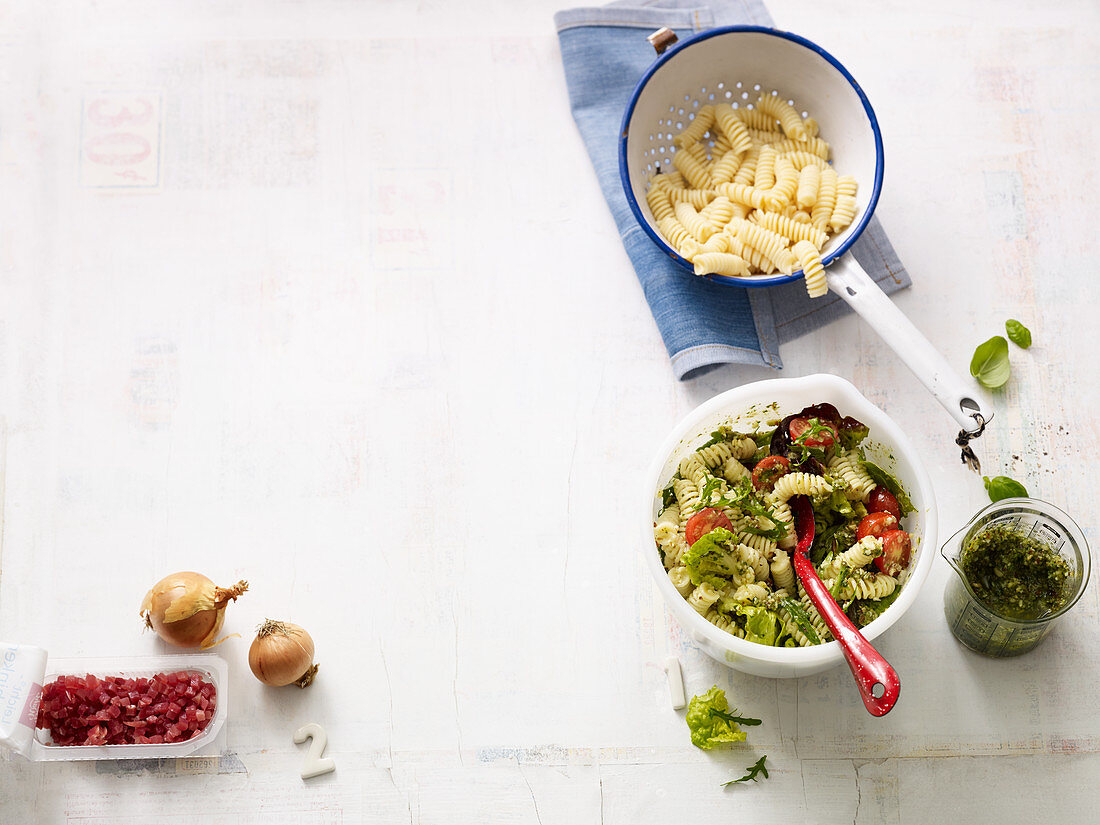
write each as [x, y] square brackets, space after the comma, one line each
[710, 721]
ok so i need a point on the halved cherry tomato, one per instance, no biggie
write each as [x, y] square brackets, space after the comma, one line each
[896, 548]
[703, 522]
[875, 525]
[883, 501]
[769, 470]
[822, 439]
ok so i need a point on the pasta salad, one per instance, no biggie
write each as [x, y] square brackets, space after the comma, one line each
[725, 527]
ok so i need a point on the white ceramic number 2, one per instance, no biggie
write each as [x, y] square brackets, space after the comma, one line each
[314, 764]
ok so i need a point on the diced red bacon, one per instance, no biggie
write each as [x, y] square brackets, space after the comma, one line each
[88, 710]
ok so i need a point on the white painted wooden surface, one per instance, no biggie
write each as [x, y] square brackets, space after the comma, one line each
[364, 334]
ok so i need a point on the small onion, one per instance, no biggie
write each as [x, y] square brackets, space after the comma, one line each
[187, 609]
[282, 654]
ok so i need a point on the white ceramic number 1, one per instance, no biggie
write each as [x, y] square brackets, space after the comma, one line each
[314, 764]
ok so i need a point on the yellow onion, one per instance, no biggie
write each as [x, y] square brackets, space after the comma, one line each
[187, 609]
[282, 654]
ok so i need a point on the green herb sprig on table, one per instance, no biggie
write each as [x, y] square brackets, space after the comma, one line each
[752, 772]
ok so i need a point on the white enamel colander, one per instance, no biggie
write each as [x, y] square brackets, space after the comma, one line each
[736, 65]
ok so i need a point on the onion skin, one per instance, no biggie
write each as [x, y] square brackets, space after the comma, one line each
[186, 609]
[282, 654]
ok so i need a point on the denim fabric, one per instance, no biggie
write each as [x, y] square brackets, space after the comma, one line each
[703, 323]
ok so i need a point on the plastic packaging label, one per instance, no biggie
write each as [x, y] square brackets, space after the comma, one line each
[22, 671]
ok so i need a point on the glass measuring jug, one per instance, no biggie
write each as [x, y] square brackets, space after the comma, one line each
[976, 625]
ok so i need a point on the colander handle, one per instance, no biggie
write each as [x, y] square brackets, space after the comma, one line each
[848, 280]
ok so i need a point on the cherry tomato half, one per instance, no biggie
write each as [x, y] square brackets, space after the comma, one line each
[883, 501]
[705, 521]
[896, 549]
[769, 470]
[823, 439]
[875, 525]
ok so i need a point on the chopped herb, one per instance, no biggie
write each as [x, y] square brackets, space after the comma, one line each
[755, 769]
[1018, 334]
[802, 619]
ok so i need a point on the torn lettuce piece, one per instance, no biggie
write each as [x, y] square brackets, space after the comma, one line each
[761, 625]
[713, 558]
[711, 723]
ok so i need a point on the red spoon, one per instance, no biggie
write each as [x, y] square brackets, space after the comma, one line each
[878, 682]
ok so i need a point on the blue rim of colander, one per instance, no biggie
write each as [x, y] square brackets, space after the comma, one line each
[756, 280]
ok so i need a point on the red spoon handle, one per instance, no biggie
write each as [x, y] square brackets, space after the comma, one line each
[867, 664]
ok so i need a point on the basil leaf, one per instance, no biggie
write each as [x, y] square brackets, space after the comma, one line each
[1018, 334]
[668, 497]
[1000, 487]
[892, 484]
[990, 363]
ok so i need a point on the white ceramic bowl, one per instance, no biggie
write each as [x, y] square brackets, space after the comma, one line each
[742, 408]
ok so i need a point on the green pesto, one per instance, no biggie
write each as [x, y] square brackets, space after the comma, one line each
[1014, 575]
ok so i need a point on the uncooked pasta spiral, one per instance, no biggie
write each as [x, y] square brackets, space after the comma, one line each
[748, 195]
[782, 111]
[720, 263]
[698, 127]
[725, 167]
[826, 200]
[765, 169]
[786, 181]
[756, 119]
[790, 228]
[801, 159]
[733, 128]
[718, 212]
[693, 170]
[844, 212]
[698, 226]
[696, 197]
[810, 261]
[677, 235]
[746, 173]
[815, 145]
[770, 244]
[809, 181]
[659, 204]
